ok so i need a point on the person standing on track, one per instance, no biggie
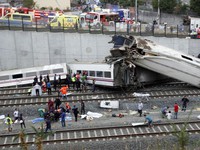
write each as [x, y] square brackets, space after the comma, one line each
[9, 122]
[63, 115]
[57, 103]
[49, 88]
[185, 101]
[55, 82]
[48, 123]
[140, 107]
[16, 114]
[176, 107]
[22, 121]
[75, 111]
[82, 107]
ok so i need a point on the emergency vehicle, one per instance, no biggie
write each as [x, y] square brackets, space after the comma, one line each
[67, 21]
[98, 18]
[16, 19]
[5, 10]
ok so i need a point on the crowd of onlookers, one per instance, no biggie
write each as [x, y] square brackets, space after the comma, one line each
[77, 81]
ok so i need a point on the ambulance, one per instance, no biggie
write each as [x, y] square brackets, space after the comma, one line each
[66, 21]
[16, 19]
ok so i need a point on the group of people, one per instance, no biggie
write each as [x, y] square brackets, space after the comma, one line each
[56, 112]
[166, 113]
[17, 118]
[77, 80]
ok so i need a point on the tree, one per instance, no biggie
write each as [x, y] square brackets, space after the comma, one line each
[194, 5]
[40, 135]
[21, 136]
[167, 6]
[28, 3]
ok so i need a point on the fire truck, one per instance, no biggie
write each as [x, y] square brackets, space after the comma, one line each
[96, 19]
[6, 10]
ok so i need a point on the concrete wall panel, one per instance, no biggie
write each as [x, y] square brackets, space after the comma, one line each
[26, 49]
[57, 51]
[73, 47]
[23, 42]
[194, 47]
[8, 57]
[40, 48]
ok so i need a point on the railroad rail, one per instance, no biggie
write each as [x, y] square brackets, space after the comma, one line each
[103, 133]
[97, 97]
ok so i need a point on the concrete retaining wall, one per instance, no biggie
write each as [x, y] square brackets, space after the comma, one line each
[28, 49]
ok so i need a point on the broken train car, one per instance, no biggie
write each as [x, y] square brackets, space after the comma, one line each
[141, 59]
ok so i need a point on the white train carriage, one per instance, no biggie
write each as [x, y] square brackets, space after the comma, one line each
[25, 76]
[104, 74]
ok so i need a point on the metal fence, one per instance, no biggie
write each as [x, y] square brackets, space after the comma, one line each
[139, 29]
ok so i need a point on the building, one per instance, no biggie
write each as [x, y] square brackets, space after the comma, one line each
[61, 4]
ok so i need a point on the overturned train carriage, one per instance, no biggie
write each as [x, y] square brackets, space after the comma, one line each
[145, 56]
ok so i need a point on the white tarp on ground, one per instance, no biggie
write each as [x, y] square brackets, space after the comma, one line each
[140, 94]
[94, 115]
[2, 116]
[138, 124]
[109, 104]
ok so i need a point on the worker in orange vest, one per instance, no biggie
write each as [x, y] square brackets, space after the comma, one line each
[63, 91]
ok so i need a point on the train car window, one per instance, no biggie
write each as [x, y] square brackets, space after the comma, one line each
[4, 77]
[99, 73]
[59, 70]
[45, 72]
[92, 73]
[107, 74]
[186, 57]
[30, 74]
[16, 76]
[79, 71]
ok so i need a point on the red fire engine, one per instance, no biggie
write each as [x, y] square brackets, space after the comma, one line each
[98, 18]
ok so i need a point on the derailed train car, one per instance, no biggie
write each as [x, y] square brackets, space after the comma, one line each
[157, 58]
[114, 74]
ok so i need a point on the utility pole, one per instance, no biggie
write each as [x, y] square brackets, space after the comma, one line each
[136, 11]
[158, 12]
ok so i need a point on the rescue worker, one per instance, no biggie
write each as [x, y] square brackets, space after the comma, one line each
[63, 91]
[9, 122]
[73, 81]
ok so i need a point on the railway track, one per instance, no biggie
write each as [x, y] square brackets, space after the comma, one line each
[24, 91]
[103, 133]
[97, 97]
